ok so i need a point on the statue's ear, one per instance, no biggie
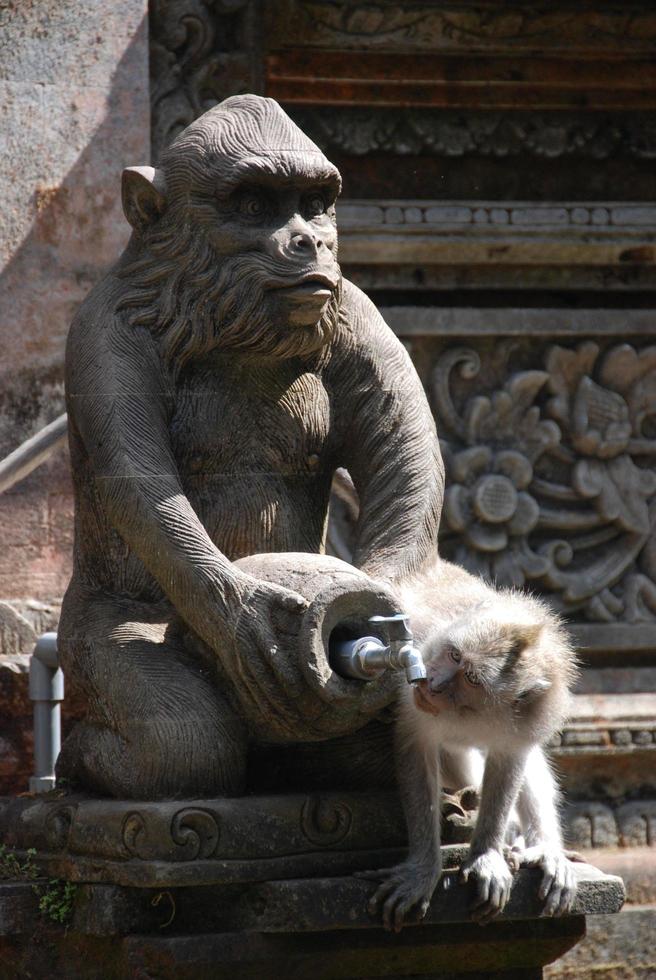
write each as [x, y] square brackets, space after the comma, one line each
[143, 192]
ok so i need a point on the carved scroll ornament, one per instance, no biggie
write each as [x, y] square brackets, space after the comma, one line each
[198, 56]
[551, 479]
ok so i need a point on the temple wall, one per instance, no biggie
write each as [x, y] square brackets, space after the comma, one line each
[74, 110]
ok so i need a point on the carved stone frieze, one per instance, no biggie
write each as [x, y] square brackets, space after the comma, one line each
[546, 135]
[461, 26]
[551, 477]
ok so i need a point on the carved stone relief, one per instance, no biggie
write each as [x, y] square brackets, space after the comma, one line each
[457, 26]
[547, 135]
[201, 52]
[551, 478]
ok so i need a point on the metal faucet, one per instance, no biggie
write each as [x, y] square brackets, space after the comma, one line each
[366, 657]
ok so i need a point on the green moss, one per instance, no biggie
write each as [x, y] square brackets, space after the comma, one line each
[16, 868]
[57, 900]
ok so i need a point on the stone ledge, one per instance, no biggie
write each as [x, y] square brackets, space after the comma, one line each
[289, 906]
[509, 950]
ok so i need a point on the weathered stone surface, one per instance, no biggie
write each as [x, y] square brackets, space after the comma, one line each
[73, 112]
[617, 947]
[317, 927]
[635, 866]
[175, 843]
[286, 906]
[505, 950]
[18, 908]
[243, 841]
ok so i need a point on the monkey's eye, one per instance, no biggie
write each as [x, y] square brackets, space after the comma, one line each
[472, 678]
[455, 655]
[314, 205]
[253, 206]
[252, 203]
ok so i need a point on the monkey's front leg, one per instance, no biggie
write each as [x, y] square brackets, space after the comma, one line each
[544, 846]
[486, 865]
[410, 885]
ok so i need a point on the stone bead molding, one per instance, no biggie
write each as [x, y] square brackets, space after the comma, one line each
[580, 739]
[497, 233]
[550, 454]
[592, 824]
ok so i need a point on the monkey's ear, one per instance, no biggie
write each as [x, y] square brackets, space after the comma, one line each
[143, 193]
[525, 635]
[538, 686]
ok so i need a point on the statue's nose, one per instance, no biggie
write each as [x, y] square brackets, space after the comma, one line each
[305, 242]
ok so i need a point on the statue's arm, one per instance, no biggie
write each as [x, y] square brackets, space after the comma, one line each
[119, 401]
[390, 449]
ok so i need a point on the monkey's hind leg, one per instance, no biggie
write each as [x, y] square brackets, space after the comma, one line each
[157, 726]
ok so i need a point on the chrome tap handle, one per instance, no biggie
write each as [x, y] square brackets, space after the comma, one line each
[396, 627]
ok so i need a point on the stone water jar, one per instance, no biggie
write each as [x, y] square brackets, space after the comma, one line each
[312, 702]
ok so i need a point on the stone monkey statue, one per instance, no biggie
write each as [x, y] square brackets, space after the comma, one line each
[216, 378]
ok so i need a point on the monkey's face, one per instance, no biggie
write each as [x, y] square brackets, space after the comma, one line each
[476, 664]
[452, 682]
[284, 230]
[241, 219]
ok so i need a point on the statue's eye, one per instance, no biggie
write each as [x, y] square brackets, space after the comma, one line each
[455, 655]
[472, 678]
[314, 205]
[252, 204]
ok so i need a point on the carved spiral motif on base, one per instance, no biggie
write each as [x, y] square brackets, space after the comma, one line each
[58, 826]
[325, 822]
[196, 832]
[134, 834]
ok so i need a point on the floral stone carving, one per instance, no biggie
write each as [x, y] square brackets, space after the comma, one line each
[551, 478]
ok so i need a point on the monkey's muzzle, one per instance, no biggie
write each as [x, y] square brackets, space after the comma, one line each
[441, 676]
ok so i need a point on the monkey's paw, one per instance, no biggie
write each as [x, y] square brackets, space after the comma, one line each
[404, 889]
[558, 885]
[493, 881]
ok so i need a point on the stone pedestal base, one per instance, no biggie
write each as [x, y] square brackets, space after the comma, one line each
[257, 887]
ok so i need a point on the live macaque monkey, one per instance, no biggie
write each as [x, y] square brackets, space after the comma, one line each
[500, 670]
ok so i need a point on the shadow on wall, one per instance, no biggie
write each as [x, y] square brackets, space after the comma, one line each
[76, 231]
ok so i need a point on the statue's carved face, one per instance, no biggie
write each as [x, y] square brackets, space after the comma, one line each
[291, 222]
[241, 219]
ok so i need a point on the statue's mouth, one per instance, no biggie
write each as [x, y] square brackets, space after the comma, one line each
[312, 284]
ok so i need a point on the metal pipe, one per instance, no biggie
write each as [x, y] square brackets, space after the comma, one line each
[32, 452]
[47, 693]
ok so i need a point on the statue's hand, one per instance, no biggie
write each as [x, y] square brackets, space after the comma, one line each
[268, 673]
